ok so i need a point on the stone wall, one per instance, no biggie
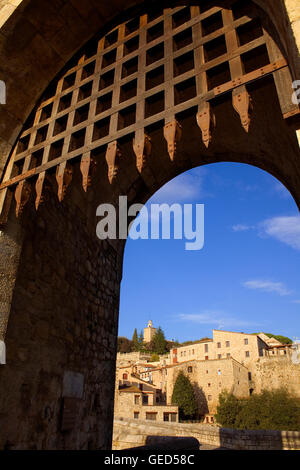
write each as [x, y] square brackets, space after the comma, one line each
[132, 433]
[62, 327]
[276, 372]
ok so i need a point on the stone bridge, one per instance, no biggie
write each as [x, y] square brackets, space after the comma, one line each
[107, 99]
[130, 433]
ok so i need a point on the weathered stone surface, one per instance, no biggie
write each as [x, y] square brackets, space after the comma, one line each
[63, 27]
[59, 285]
[130, 433]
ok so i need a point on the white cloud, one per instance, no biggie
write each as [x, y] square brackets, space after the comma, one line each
[185, 187]
[216, 318]
[281, 190]
[242, 228]
[296, 301]
[284, 229]
[267, 286]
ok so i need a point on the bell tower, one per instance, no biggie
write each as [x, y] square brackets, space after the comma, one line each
[149, 332]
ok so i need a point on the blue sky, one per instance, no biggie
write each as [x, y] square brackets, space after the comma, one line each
[246, 277]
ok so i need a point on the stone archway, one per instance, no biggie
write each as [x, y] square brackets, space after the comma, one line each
[38, 38]
[59, 284]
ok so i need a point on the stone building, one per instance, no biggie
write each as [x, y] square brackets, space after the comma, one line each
[209, 378]
[132, 402]
[140, 399]
[245, 348]
[279, 367]
[149, 332]
[237, 362]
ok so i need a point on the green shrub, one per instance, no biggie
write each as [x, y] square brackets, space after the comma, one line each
[228, 409]
[154, 357]
[275, 410]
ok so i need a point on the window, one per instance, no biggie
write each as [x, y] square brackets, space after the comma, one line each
[249, 376]
[170, 417]
[209, 385]
[136, 399]
[206, 358]
[228, 355]
[247, 353]
[219, 372]
[145, 399]
[136, 415]
[206, 348]
[151, 416]
[219, 356]
[190, 369]
[209, 397]
[219, 345]
[227, 344]
[125, 376]
[246, 341]
[193, 351]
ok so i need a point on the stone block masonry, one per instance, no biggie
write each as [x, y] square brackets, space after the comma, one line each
[59, 285]
[130, 433]
[61, 335]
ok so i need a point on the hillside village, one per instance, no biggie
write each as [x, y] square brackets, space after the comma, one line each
[240, 363]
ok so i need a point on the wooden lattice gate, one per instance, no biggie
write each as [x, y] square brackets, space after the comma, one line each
[146, 70]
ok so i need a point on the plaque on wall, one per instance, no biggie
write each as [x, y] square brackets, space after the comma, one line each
[73, 384]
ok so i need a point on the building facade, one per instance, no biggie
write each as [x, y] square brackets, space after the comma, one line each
[149, 332]
[245, 348]
[209, 378]
[239, 363]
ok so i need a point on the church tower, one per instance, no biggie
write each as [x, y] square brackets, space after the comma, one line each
[149, 332]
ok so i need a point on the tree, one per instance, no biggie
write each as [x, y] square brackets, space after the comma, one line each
[271, 409]
[141, 340]
[184, 396]
[171, 344]
[228, 409]
[280, 338]
[159, 342]
[135, 341]
[124, 345]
